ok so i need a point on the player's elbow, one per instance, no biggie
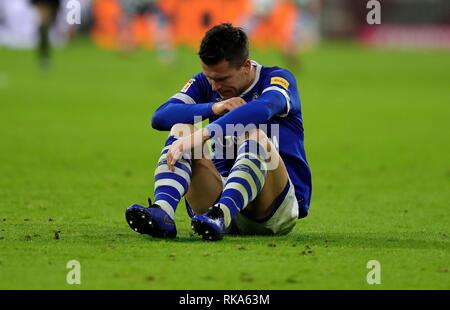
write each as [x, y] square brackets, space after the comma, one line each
[264, 114]
[161, 117]
[158, 121]
[267, 114]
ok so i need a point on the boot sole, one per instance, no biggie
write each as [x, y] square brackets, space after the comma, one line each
[142, 223]
[205, 231]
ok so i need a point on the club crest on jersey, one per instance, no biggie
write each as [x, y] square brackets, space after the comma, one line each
[255, 96]
[188, 84]
[278, 80]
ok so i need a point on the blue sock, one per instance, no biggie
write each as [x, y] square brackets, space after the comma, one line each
[246, 178]
[170, 186]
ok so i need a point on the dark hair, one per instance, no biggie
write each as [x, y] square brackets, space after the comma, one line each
[224, 42]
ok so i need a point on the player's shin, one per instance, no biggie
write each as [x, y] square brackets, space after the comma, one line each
[245, 181]
[170, 186]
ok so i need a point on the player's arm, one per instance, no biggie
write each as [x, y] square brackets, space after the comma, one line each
[257, 111]
[184, 106]
[275, 100]
[175, 111]
[192, 102]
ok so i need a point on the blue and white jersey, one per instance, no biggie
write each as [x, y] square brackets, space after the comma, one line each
[273, 102]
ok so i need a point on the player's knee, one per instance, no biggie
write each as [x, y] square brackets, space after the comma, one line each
[257, 135]
[181, 130]
[271, 154]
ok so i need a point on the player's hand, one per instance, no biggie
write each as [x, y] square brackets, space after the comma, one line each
[185, 145]
[222, 107]
[174, 153]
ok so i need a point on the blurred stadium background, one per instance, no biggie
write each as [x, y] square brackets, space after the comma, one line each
[77, 148]
[280, 24]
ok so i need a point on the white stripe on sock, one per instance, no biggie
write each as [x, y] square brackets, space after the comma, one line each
[166, 207]
[240, 188]
[178, 171]
[172, 183]
[247, 177]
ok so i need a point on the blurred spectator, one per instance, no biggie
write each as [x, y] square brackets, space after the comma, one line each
[306, 32]
[287, 25]
[47, 12]
[308, 24]
[18, 22]
[143, 23]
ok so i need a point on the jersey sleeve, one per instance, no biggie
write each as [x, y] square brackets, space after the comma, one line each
[283, 82]
[195, 91]
[279, 91]
[189, 103]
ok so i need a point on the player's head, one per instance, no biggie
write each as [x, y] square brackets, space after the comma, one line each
[225, 59]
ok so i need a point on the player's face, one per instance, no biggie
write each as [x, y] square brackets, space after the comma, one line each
[228, 80]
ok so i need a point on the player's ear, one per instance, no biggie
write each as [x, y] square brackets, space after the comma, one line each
[247, 66]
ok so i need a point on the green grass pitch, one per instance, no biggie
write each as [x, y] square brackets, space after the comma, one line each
[77, 148]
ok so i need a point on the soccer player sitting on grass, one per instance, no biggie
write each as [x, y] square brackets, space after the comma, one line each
[244, 173]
